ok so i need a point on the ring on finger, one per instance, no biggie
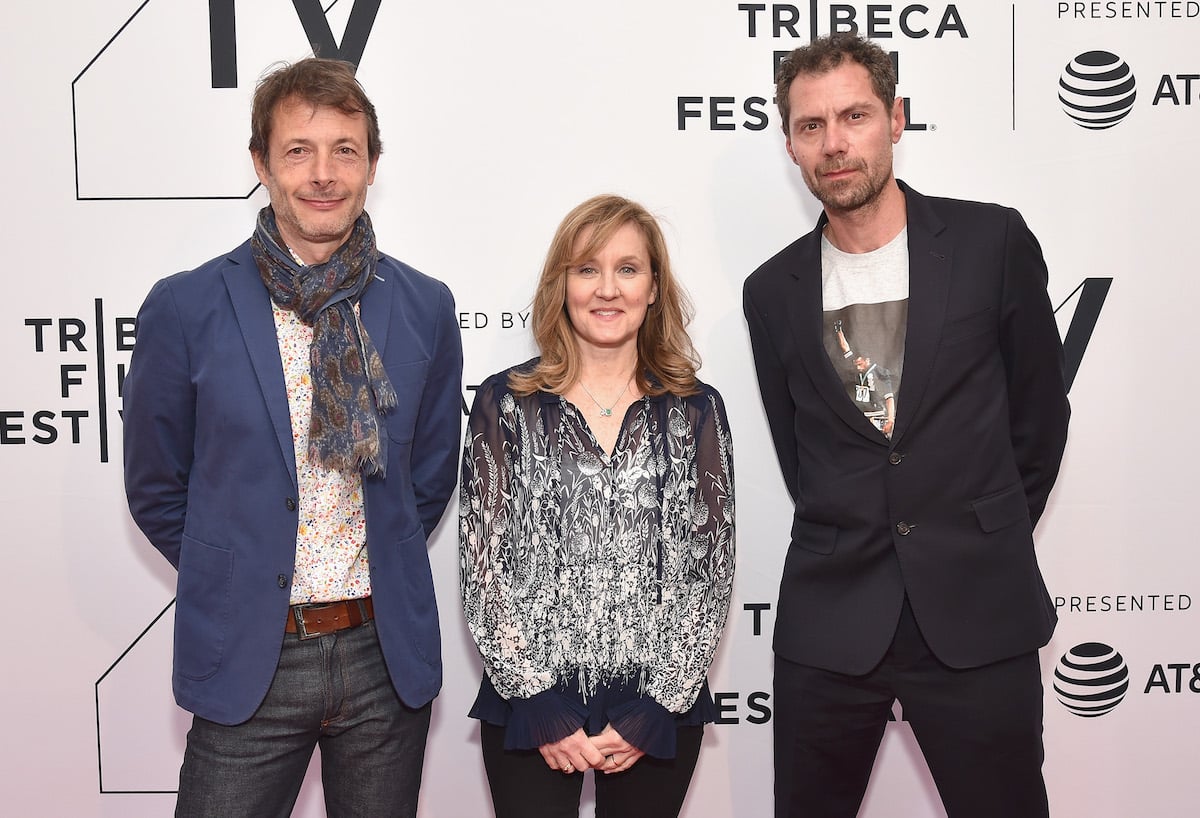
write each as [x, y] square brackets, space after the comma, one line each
[570, 768]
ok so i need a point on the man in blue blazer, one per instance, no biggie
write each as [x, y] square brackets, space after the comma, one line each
[912, 376]
[292, 423]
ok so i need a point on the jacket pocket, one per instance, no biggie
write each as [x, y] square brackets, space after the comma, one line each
[815, 537]
[203, 602]
[969, 326]
[408, 379]
[1002, 509]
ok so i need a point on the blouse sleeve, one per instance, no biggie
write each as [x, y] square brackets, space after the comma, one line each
[697, 579]
[506, 600]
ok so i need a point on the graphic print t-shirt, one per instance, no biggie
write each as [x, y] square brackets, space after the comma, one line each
[865, 302]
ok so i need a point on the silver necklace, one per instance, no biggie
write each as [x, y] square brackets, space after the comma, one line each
[606, 411]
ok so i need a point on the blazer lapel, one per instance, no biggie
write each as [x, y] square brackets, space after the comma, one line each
[930, 260]
[806, 304]
[252, 306]
[374, 308]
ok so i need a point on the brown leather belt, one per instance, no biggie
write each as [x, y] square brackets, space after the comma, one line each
[318, 618]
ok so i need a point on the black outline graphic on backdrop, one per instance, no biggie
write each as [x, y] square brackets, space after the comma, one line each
[223, 56]
[99, 742]
[1092, 293]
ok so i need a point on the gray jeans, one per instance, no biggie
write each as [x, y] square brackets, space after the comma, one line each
[333, 691]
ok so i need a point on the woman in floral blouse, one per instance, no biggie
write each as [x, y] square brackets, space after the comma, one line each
[596, 533]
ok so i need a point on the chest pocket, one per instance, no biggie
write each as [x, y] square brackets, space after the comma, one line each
[408, 380]
[979, 323]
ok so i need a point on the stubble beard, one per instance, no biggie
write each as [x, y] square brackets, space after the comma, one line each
[849, 195]
[317, 231]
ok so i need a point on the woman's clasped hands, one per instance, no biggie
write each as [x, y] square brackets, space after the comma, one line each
[606, 752]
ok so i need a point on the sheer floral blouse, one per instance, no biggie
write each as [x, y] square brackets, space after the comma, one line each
[595, 585]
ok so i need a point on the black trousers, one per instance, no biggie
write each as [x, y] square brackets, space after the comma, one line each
[980, 730]
[524, 787]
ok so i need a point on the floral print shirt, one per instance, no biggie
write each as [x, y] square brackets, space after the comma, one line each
[331, 535]
[590, 577]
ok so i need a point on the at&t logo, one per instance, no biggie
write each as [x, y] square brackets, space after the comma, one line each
[1097, 90]
[1091, 679]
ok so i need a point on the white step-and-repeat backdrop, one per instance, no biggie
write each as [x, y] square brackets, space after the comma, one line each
[124, 150]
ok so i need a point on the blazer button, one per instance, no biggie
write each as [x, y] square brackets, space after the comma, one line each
[903, 528]
[894, 458]
[291, 504]
[282, 580]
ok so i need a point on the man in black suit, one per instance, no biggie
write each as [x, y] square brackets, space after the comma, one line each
[911, 573]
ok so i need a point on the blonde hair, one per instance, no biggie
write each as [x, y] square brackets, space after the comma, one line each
[667, 361]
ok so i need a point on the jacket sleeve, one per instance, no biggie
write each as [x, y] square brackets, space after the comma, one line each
[773, 387]
[439, 420]
[159, 423]
[1033, 361]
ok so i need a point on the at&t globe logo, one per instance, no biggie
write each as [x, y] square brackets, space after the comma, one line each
[1091, 679]
[1097, 90]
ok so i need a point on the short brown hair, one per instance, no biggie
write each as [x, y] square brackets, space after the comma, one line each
[317, 81]
[825, 54]
[664, 348]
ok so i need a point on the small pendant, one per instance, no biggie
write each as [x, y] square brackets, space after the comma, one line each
[604, 413]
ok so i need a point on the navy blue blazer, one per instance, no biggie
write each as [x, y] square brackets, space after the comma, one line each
[210, 473]
[944, 511]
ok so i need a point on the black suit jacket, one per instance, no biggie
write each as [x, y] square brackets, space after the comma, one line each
[945, 510]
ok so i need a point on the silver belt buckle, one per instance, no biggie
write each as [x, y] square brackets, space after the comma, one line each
[301, 630]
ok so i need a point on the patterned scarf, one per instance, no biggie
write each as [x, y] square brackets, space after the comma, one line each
[351, 391]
